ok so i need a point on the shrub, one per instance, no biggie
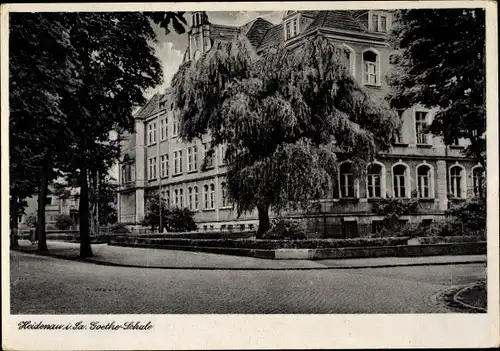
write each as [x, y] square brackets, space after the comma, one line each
[63, 221]
[285, 229]
[180, 220]
[392, 209]
[31, 221]
[472, 214]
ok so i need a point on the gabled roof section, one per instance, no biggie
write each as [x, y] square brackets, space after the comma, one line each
[339, 19]
[255, 30]
[221, 32]
[149, 109]
[273, 36]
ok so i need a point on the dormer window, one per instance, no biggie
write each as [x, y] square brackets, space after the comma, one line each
[291, 28]
[379, 22]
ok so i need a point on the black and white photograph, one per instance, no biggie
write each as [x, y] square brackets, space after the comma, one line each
[218, 159]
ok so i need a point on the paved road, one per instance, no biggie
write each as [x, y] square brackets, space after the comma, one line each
[44, 285]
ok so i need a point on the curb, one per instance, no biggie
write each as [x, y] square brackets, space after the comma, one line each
[465, 305]
[113, 264]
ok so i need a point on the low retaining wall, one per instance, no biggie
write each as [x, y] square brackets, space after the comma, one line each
[68, 237]
[336, 253]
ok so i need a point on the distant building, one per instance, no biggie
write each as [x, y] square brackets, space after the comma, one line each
[55, 206]
[419, 165]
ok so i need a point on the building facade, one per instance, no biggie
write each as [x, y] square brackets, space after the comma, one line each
[157, 162]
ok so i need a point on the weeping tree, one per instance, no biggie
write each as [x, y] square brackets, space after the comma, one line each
[287, 116]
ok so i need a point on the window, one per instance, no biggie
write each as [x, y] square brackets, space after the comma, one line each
[151, 133]
[347, 187]
[181, 198]
[190, 198]
[454, 142]
[371, 68]
[208, 155]
[176, 197]
[477, 181]
[424, 182]
[175, 126]
[380, 22]
[126, 174]
[178, 162]
[399, 181]
[166, 195]
[377, 226]
[195, 207]
[292, 28]
[152, 168]
[205, 197]
[374, 181]
[163, 129]
[48, 201]
[456, 181]
[225, 198]
[397, 137]
[223, 151]
[164, 165]
[212, 196]
[192, 158]
[420, 125]
[350, 58]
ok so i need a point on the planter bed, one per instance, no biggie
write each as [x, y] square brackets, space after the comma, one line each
[262, 244]
[451, 239]
[72, 238]
[195, 235]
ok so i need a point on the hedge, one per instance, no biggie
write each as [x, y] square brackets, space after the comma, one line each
[266, 244]
[451, 239]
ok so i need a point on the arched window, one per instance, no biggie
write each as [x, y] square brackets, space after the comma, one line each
[478, 181]
[424, 182]
[347, 186]
[350, 57]
[181, 198]
[374, 181]
[371, 67]
[195, 207]
[212, 196]
[190, 198]
[400, 180]
[205, 196]
[225, 199]
[457, 181]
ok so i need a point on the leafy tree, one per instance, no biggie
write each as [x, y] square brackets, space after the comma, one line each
[286, 115]
[450, 75]
[472, 214]
[173, 219]
[392, 209]
[152, 212]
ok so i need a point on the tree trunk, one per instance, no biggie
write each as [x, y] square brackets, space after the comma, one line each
[13, 219]
[93, 203]
[264, 223]
[42, 195]
[85, 248]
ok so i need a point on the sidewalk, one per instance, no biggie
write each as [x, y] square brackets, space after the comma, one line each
[173, 259]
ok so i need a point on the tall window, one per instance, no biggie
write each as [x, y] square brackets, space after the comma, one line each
[195, 207]
[163, 129]
[126, 173]
[424, 182]
[420, 125]
[151, 133]
[375, 23]
[225, 198]
[477, 181]
[192, 158]
[370, 68]
[223, 150]
[164, 165]
[399, 181]
[190, 198]
[456, 179]
[212, 196]
[380, 23]
[292, 28]
[178, 162]
[166, 195]
[181, 198]
[152, 168]
[205, 197]
[176, 197]
[346, 180]
[374, 181]
[350, 58]
[175, 126]
[208, 155]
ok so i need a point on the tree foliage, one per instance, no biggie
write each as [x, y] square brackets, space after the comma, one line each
[73, 78]
[286, 115]
[172, 219]
[439, 61]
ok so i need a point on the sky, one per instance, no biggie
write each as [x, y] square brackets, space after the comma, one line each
[170, 48]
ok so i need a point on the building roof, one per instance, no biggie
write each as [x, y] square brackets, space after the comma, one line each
[255, 30]
[273, 36]
[344, 20]
[149, 109]
[222, 32]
